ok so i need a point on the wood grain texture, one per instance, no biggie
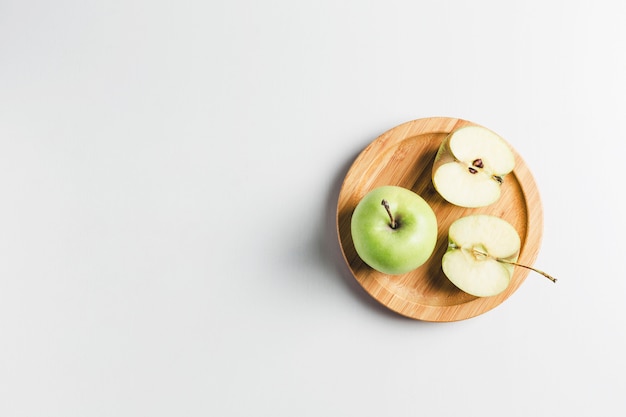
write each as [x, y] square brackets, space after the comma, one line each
[404, 156]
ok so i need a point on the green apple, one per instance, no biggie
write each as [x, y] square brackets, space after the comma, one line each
[482, 253]
[470, 166]
[394, 230]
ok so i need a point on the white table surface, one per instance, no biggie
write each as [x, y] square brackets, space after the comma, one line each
[169, 174]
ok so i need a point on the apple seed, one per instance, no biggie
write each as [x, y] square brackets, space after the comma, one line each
[478, 163]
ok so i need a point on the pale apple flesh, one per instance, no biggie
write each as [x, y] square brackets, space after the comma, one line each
[481, 253]
[470, 166]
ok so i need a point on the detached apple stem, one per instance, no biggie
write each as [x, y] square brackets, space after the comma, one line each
[393, 223]
[504, 261]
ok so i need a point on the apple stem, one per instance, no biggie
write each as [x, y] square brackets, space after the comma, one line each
[393, 223]
[550, 277]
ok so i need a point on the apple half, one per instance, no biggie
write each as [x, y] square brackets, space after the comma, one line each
[470, 166]
[482, 251]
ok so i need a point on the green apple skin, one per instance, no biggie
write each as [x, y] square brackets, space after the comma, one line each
[388, 250]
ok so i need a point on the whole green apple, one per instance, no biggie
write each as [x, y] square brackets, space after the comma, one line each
[394, 230]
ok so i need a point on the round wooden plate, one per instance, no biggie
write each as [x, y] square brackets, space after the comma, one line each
[404, 156]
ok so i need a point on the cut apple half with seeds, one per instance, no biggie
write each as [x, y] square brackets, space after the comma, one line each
[470, 166]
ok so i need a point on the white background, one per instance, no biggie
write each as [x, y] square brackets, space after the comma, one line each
[168, 180]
